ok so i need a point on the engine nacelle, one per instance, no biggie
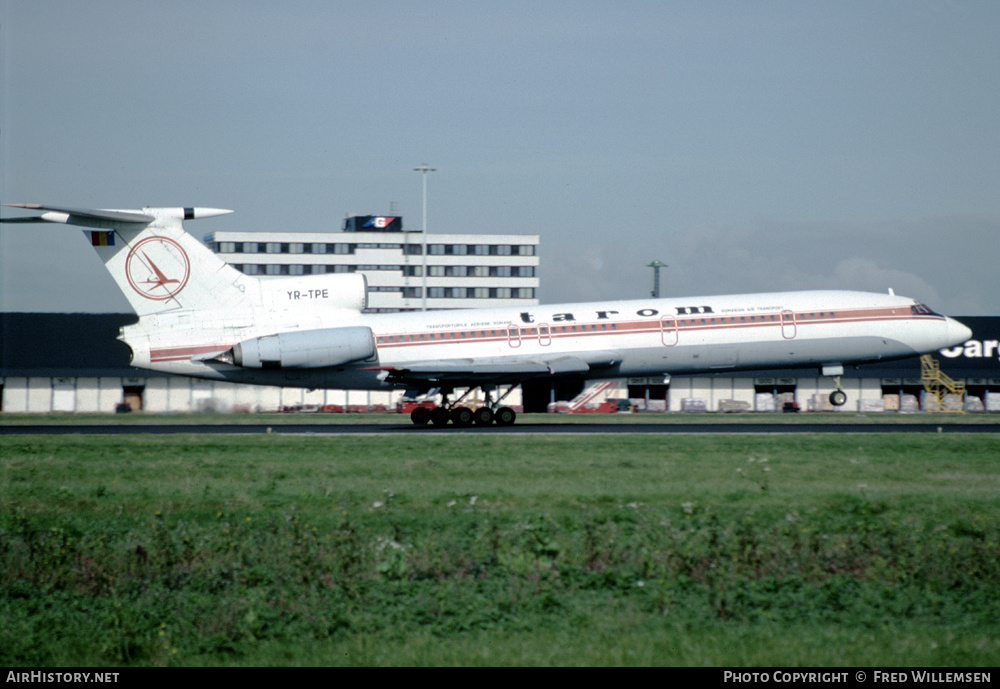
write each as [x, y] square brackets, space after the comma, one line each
[306, 349]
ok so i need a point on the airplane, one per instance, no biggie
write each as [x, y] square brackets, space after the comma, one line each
[201, 317]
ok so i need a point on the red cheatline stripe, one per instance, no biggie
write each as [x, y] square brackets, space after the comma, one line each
[685, 324]
[184, 352]
[555, 332]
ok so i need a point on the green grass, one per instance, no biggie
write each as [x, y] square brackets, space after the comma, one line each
[495, 549]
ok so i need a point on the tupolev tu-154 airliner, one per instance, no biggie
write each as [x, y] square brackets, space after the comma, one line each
[201, 317]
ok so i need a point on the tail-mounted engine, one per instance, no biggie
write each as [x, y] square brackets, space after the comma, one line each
[305, 349]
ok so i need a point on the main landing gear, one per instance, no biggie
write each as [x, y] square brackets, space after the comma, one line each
[463, 416]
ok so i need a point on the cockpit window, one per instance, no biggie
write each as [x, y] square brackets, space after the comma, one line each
[921, 310]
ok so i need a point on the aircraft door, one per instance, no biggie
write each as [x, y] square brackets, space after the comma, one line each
[544, 334]
[513, 336]
[788, 327]
[668, 331]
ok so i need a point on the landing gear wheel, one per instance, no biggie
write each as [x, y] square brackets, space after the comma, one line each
[838, 398]
[440, 416]
[482, 416]
[461, 416]
[421, 416]
[504, 416]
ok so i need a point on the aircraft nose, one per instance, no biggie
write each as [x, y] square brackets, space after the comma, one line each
[957, 332]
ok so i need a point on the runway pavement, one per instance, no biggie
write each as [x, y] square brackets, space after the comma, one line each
[406, 428]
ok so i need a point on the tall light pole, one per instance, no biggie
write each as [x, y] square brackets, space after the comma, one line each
[423, 269]
[656, 265]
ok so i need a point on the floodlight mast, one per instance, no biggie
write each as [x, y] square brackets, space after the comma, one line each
[423, 269]
[656, 265]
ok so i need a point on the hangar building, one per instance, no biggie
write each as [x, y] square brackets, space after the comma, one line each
[73, 363]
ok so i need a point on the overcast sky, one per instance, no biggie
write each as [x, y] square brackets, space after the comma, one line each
[751, 146]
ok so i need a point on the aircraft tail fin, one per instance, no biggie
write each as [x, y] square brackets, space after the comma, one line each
[158, 266]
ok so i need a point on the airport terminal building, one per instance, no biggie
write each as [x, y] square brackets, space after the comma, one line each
[74, 363]
[406, 271]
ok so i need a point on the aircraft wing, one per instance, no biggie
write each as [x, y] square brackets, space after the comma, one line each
[500, 370]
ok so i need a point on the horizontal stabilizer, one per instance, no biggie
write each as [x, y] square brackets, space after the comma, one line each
[89, 216]
[95, 214]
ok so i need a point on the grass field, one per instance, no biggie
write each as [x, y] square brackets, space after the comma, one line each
[542, 550]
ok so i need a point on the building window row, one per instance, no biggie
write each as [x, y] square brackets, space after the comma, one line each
[481, 249]
[432, 292]
[292, 269]
[462, 292]
[408, 271]
[477, 292]
[286, 248]
[474, 271]
[348, 248]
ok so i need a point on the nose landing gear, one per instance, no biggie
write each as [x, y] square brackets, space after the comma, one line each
[838, 397]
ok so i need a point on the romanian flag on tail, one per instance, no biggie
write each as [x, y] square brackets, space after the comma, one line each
[102, 238]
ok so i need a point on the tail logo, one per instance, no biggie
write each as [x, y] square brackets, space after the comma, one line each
[157, 268]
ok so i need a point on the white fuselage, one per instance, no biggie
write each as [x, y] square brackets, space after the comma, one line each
[622, 338]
